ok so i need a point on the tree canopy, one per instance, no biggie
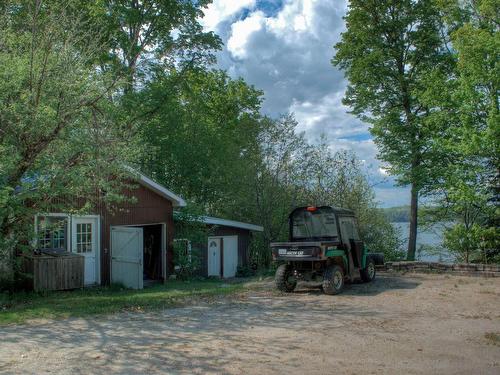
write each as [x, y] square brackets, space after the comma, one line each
[389, 52]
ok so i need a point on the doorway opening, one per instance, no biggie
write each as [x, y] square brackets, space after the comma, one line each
[152, 252]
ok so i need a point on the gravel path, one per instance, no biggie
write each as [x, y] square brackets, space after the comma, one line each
[412, 324]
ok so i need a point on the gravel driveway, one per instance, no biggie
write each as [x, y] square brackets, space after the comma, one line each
[413, 324]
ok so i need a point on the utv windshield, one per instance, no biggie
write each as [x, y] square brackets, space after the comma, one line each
[317, 224]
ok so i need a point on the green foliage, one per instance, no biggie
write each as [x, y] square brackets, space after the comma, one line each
[244, 271]
[202, 126]
[474, 243]
[466, 105]
[18, 308]
[88, 87]
[275, 183]
[60, 135]
[70, 80]
[438, 251]
[190, 233]
[338, 179]
[144, 37]
[187, 263]
[379, 234]
[389, 52]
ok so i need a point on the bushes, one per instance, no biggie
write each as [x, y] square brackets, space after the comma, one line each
[187, 263]
[380, 235]
[476, 244]
[244, 271]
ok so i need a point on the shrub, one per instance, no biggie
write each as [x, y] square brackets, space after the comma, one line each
[187, 263]
[244, 271]
[473, 243]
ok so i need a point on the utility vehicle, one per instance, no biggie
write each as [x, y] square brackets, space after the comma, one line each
[324, 246]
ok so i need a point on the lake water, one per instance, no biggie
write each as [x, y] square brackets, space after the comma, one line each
[429, 242]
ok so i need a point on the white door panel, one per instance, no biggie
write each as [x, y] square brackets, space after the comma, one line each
[213, 256]
[85, 242]
[127, 256]
[230, 250]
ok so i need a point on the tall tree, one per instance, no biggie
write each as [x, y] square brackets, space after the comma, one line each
[475, 39]
[389, 49]
[466, 105]
[147, 35]
[59, 135]
[204, 126]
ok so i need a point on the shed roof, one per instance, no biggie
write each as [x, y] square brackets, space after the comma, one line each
[230, 223]
[224, 222]
[337, 210]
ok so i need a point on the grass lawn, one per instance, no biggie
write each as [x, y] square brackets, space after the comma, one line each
[21, 307]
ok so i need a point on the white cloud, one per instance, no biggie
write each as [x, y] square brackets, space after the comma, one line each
[285, 50]
[383, 171]
[221, 10]
[296, 16]
[327, 115]
[241, 31]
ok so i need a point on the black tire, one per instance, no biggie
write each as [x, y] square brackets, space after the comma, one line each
[369, 272]
[282, 279]
[333, 280]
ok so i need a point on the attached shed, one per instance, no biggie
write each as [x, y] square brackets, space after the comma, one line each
[226, 246]
[128, 245]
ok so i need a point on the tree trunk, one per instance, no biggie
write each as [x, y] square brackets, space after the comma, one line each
[412, 242]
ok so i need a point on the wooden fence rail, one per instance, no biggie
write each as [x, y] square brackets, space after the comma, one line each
[487, 270]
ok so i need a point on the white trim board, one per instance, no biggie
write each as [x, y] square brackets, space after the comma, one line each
[145, 181]
[230, 223]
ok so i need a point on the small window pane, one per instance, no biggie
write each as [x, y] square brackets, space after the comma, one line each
[84, 237]
[52, 233]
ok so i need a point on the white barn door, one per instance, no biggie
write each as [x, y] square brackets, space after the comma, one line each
[127, 256]
[230, 249]
[213, 256]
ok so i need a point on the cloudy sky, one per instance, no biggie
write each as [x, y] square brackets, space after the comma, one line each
[284, 48]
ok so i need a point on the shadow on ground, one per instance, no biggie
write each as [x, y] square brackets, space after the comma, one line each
[380, 285]
[199, 339]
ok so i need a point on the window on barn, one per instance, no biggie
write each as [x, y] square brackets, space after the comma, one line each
[52, 233]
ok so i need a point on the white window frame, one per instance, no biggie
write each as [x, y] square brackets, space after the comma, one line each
[70, 235]
[68, 228]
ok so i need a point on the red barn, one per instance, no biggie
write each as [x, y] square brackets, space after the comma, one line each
[129, 246]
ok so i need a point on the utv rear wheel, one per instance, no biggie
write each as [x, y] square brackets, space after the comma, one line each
[285, 281]
[368, 273]
[333, 280]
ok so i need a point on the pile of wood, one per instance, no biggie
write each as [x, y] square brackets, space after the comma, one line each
[487, 270]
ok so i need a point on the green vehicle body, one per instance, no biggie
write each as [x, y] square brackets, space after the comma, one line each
[323, 241]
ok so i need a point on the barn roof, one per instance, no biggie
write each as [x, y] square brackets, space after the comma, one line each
[145, 181]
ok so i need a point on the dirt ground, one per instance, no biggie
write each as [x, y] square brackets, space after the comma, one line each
[400, 324]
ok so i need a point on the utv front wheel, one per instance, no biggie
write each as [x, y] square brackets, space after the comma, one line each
[368, 273]
[333, 280]
[285, 281]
